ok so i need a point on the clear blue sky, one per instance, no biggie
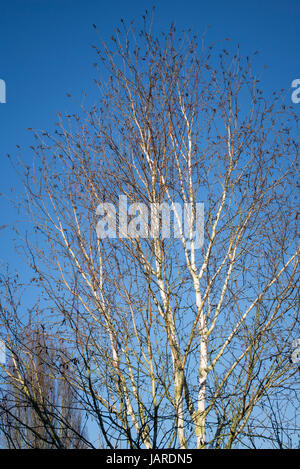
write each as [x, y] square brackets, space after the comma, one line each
[45, 52]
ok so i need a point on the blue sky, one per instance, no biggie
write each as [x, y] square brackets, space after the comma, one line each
[45, 53]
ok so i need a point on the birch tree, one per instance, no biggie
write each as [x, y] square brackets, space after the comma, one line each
[172, 341]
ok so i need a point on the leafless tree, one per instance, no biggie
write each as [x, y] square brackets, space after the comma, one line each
[170, 344]
[37, 409]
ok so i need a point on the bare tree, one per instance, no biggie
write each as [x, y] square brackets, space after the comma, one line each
[172, 342]
[37, 409]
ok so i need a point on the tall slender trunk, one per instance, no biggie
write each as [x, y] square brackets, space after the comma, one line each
[201, 417]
